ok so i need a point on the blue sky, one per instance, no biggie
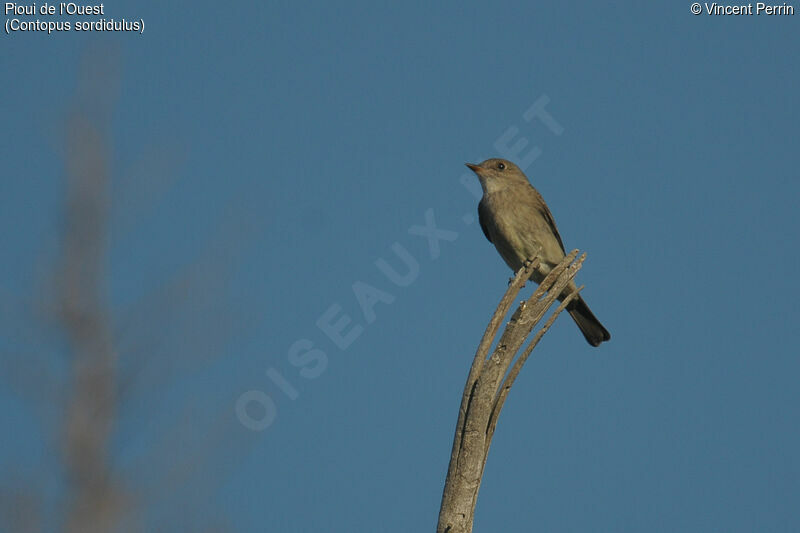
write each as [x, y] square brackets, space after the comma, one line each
[268, 155]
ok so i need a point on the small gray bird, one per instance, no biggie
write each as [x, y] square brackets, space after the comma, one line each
[516, 220]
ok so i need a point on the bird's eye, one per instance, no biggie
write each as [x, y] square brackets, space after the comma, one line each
[501, 166]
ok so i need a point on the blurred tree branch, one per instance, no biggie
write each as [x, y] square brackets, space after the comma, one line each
[489, 382]
[85, 398]
[95, 502]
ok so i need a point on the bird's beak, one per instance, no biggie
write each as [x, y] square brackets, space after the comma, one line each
[475, 168]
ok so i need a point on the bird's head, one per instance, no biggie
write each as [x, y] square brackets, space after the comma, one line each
[497, 174]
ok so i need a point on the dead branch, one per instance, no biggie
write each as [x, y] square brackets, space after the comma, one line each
[489, 382]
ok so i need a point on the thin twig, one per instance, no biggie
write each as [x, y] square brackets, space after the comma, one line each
[522, 323]
[515, 370]
[486, 341]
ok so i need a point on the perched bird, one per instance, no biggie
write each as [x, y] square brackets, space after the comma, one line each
[516, 220]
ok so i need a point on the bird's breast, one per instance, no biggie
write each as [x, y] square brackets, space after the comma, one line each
[519, 230]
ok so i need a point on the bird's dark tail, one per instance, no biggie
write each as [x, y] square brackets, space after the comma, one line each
[591, 328]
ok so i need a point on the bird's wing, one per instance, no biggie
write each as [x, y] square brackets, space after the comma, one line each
[483, 217]
[548, 217]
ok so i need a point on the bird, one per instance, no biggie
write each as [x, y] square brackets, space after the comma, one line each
[517, 221]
